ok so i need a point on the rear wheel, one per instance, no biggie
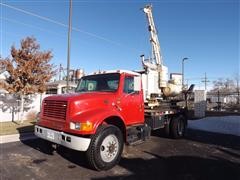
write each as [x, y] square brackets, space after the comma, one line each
[166, 130]
[178, 127]
[105, 148]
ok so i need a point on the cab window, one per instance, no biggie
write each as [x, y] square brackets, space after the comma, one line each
[128, 85]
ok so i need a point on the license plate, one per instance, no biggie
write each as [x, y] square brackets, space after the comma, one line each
[50, 135]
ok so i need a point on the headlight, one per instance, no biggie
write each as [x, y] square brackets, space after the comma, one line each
[75, 126]
[85, 126]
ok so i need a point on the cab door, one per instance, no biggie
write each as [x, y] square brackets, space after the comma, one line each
[131, 102]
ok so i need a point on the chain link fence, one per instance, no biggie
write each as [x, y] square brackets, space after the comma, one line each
[223, 101]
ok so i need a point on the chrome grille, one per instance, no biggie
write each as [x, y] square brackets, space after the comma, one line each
[55, 109]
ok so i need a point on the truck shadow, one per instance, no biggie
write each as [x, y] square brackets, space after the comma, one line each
[211, 138]
[181, 167]
[206, 137]
[75, 157]
[178, 168]
[186, 167]
[223, 140]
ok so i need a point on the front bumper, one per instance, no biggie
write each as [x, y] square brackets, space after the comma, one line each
[64, 139]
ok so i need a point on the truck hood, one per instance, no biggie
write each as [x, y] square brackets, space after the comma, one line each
[79, 103]
[81, 96]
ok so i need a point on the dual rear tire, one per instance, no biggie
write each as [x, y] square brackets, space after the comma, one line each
[176, 127]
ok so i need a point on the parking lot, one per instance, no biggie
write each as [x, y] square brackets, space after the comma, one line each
[201, 155]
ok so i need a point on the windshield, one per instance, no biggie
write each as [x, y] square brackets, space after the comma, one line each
[99, 82]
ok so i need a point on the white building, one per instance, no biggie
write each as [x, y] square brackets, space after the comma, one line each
[60, 87]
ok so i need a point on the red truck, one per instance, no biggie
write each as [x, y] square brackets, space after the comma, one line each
[106, 111]
[111, 109]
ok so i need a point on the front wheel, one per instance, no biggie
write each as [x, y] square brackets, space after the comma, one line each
[105, 148]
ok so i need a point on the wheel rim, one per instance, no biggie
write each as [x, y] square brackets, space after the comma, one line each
[180, 127]
[109, 148]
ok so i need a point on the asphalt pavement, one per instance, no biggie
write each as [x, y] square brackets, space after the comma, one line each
[200, 156]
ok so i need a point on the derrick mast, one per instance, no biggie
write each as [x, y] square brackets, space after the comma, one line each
[155, 80]
[153, 36]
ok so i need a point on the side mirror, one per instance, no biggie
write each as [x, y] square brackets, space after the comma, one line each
[137, 83]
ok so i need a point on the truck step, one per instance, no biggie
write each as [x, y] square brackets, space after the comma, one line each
[140, 141]
[138, 134]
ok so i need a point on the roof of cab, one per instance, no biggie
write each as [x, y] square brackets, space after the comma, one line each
[116, 71]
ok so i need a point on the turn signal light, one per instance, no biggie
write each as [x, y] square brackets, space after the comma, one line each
[87, 126]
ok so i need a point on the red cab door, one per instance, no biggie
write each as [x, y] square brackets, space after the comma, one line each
[131, 102]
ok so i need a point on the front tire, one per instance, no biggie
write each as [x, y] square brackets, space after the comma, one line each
[105, 148]
[45, 146]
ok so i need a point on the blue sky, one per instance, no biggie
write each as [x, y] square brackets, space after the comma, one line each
[113, 34]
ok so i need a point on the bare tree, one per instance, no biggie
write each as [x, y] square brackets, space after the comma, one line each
[27, 70]
[237, 78]
[224, 85]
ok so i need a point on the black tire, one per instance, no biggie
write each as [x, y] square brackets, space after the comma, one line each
[166, 130]
[45, 146]
[100, 156]
[178, 127]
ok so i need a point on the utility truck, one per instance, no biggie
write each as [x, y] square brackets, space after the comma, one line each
[111, 109]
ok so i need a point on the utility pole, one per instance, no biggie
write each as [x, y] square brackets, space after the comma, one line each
[205, 81]
[60, 72]
[184, 59]
[238, 94]
[238, 100]
[69, 42]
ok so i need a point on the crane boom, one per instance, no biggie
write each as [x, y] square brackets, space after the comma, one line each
[155, 80]
[153, 36]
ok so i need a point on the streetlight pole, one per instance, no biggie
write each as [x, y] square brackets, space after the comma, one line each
[184, 59]
[69, 42]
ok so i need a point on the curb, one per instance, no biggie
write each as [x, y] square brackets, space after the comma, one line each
[17, 137]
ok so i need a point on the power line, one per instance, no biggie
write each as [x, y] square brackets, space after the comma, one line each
[196, 78]
[62, 24]
[35, 15]
[1, 33]
[31, 26]
[69, 42]
[124, 1]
